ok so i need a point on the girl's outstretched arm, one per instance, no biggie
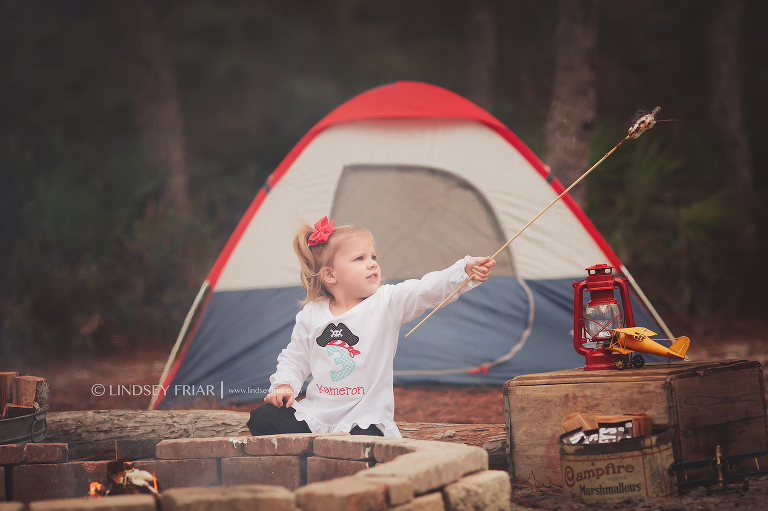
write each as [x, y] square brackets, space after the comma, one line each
[409, 299]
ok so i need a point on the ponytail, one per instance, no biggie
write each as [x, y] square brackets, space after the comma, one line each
[313, 258]
[310, 263]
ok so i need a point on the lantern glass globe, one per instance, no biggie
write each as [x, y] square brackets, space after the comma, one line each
[600, 319]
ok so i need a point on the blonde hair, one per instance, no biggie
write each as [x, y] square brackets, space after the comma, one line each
[314, 258]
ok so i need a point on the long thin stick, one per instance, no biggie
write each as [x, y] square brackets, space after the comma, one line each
[523, 229]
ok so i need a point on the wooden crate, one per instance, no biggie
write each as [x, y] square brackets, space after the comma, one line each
[705, 403]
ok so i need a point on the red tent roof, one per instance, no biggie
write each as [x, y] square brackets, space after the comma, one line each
[407, 100]
[403, 100]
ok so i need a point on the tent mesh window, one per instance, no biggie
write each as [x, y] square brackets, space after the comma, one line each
[454, 218]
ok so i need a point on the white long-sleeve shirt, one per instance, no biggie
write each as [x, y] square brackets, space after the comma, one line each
[350, 356]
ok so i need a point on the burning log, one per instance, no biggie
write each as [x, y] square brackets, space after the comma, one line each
[133, 480]
[97, 490]
[129, 481]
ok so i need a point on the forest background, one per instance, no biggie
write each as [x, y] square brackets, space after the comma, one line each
[134, 135]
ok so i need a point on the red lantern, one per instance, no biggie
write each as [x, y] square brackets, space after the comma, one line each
[591, 326]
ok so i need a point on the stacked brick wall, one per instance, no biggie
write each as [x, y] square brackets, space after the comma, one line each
[311, 472]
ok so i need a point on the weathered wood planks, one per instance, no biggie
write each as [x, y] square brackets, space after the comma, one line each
[705, 403]
[721, 405]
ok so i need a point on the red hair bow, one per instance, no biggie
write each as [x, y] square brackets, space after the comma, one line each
[323, 231]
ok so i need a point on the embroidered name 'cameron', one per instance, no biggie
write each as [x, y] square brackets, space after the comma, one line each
[340, 391]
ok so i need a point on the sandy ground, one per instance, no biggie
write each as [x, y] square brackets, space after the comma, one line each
[72, 380]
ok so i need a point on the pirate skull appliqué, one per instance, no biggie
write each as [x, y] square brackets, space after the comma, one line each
[338, 341]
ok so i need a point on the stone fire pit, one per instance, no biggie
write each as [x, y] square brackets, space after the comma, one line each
[301, 471]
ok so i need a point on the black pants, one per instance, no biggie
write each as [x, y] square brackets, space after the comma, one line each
[271, 420]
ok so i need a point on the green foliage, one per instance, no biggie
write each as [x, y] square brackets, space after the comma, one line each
[99, 264]
[664, 209]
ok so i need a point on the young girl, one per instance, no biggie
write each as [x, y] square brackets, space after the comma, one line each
[346, 335]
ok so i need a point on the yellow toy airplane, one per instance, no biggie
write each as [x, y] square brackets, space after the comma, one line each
[636, 340]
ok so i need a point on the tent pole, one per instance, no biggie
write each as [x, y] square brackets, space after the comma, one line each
[647, 303]
[181, 338]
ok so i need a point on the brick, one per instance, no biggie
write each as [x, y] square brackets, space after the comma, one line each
[284, 445]
[46, 453]
[285, 471]
[185, 448]
[112, 503]
[387, 449]
[182, 473]
[361, 447]
[399, 489]
[489, 490]
[10, 454]
[12, 506]
[345, 493]
[323, 469]
[55, 481]
[255, 497]
[98, 450]
[428, 502]
[136, 449]
[431, 469]
[353, 447]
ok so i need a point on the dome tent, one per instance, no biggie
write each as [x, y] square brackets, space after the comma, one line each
[434, 177]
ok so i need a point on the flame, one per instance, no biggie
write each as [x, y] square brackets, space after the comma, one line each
[154, 480]
[95, 488]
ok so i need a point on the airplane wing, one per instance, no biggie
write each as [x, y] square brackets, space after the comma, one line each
[619, 349]
[636, 330]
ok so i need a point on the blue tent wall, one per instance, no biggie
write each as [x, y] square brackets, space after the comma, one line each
[240, 334]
